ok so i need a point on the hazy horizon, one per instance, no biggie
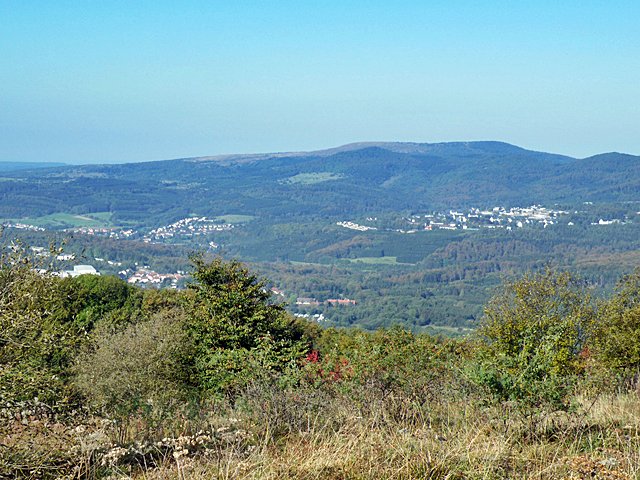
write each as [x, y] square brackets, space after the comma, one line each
[118, 82]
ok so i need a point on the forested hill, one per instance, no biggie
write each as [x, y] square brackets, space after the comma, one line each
[352, 179]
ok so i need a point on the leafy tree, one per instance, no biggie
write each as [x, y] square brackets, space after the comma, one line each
[90, 299]
[235, 328]
[534, 333]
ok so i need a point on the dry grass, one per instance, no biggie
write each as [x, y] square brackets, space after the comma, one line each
[275, 434]
[454, 443]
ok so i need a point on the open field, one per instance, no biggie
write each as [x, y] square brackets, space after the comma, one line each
[377, 260]
[312, 178]
[68, 220]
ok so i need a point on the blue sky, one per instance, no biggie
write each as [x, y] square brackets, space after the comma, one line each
[92, 82]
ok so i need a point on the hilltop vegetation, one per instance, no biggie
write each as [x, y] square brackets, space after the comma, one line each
[99, 378]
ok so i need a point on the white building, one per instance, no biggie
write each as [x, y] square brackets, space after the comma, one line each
[80, 270]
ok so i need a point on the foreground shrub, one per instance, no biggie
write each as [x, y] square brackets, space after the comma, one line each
[534, 335]
[392, 370]
[141, 369]
[617, 343]
[36, 347]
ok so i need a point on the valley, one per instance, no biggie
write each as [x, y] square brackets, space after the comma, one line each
[414, 234]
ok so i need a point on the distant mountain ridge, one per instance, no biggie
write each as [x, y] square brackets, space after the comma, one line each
[346, 181]
[449, 148]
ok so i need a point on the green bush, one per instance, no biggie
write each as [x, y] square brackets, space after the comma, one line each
[36, 348]
[91, 299]
[617, 343]
[404, 371]
[534, 334]
[235, 328]
[140, 369]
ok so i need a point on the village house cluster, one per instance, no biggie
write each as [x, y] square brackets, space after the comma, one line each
[496, 217]
[355, 226]
[310, 302]
[108, 262]
[317, 317]
[615, 221]
[146, 276]
[186, 228]
[143, 276]
[472, 219]
[115, 233]
[23, 226]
